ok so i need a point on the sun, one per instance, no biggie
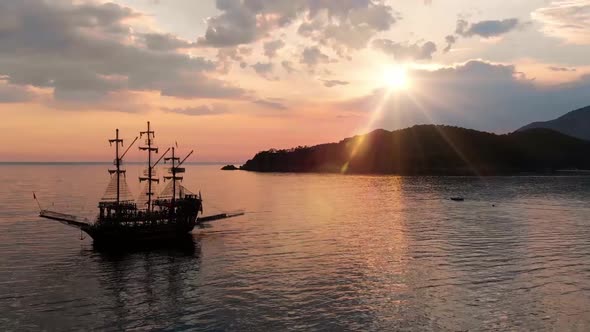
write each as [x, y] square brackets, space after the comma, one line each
[396, 78]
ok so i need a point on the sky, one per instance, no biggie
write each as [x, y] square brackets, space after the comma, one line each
[229, 78]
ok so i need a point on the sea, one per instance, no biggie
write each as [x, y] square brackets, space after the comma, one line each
[314, 252]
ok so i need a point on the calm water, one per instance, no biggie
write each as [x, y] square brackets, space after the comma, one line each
[331, 253]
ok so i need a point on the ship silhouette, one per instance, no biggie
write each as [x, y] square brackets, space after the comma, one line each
[167, 216]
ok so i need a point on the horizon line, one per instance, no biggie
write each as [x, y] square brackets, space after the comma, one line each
[109, 163]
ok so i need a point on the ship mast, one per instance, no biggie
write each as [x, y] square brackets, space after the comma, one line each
[173, 170]
[150, 134]
[117, 164]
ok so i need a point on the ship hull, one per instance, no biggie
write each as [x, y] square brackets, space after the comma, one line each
[125, 235]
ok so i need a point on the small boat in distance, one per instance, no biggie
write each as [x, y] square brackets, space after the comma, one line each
[122, 220]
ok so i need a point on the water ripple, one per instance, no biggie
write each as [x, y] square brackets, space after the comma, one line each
[333, 253]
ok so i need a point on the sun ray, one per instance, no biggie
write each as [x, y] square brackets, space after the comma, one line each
[396, 80]
[444, 136]
[357, 144]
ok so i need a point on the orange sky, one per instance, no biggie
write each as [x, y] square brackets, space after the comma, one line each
[231, 80]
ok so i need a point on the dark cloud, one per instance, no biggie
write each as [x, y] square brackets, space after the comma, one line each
[477, 95]
[450, 40]
[271, 47]
[272, 103]
[486, 29]
[165, 42]
[347, 23]
[406, 52]
[87, 51]
[227, 56]
[312, 56]
[203, 110]
[236, 25]
[354, 29]
[333, 83]
[264, 69]
[552, 68]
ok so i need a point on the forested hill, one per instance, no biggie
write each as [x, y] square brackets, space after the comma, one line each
[575, 123]
[433, 150]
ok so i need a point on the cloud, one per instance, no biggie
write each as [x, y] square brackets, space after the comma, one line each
[236, 25]
[203, 110]
[227, 56]
[165, 42]
[201, 86]
[353, 30]
[476, 94]
[312, 56]
[221, 109]
[562, 69]
[271, 47]
[450, 40]
[333, 83]
[14, 94]
[272, 103]
[288, 66]
[115, 101]
[486, 29]
[406, 52]
[341, 24]
[85, 51]
[566, 19]
[264, 69]
[307, 29]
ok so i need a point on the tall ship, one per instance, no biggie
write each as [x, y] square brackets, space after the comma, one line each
[168, 215]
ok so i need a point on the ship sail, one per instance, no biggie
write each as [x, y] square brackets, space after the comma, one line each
[181, 191]
[110, 194]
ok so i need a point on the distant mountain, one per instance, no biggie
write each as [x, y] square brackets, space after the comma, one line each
[575, 123]
[433, 150]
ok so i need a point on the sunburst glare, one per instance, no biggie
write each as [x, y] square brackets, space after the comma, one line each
[396, 77]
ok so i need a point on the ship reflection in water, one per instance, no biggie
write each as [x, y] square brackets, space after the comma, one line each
[182, 245]
[145, 285]
[329, 252]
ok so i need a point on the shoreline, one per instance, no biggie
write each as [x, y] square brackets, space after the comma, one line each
[557, 173]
